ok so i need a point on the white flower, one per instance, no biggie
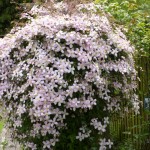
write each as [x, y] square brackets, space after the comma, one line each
[109, 143]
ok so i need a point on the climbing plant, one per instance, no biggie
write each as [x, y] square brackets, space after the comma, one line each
[63, 75]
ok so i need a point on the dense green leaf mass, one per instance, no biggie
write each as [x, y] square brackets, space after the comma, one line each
[134, 16]
[9, 11]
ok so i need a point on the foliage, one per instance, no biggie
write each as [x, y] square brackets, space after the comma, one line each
[1, 125]
[127, 144]
[9, 11]
[63, 76]
[135, 140]
[6, 11]
[134, 16]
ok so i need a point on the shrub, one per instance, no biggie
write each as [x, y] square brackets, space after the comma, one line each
[61, 77]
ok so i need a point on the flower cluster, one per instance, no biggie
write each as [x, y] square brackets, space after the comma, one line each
[98, 125]
[104, 144]
[60, 72]
[83, 133]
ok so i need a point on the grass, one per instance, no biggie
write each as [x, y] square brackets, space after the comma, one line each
[1, 125]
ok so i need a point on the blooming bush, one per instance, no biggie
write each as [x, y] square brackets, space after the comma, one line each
[61, 77]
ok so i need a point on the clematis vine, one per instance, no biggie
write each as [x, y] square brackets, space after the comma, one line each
[65, 74]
